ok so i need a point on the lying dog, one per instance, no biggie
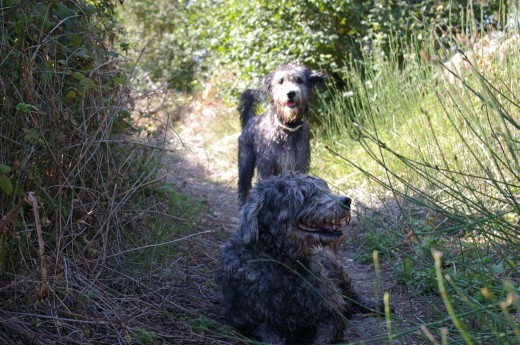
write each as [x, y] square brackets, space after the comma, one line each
[280, 281]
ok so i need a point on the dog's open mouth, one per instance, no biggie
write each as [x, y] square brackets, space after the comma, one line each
[332, 228]
[290, 104]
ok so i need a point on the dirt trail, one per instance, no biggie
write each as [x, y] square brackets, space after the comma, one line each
[206, 169]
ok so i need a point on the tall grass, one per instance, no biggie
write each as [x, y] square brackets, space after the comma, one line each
[442, 145]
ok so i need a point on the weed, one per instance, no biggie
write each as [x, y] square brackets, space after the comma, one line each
[144, 337]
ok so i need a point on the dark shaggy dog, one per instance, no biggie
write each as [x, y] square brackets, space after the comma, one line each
[280, 281]
[278, 140]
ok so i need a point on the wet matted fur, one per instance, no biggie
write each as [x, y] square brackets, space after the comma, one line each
[277, 140]
[280, 281]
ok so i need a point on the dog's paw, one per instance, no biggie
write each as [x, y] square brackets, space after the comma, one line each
[267, 335]
[369, 305]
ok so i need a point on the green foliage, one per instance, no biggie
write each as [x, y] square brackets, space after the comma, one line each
[236, 42]
[405, 272]
[166, 39]
[5, 184]
[445, 155]
[374, 239]
[67, 176]
[252, 37]
[144, 337]
[54, 67]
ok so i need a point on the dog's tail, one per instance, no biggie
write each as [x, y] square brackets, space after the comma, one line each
[247, 104]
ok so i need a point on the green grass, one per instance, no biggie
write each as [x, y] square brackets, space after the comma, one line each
[446, 157]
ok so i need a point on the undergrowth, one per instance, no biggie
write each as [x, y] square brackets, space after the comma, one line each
[93, 247]
[439, 143]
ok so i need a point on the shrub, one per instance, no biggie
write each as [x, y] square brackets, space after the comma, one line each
[67, 176]
[166, 39]
[236, 42]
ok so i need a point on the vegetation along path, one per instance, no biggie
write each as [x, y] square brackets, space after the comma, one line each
[418, 122]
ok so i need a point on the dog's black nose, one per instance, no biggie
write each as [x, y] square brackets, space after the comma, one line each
[291, 94]
[345, 201]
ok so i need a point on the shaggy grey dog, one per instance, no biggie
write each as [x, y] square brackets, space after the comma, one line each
[278, 140]
[280, 281]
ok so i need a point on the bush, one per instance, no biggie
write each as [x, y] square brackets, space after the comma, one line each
[166, 39]
[67, 176]
[236, 42]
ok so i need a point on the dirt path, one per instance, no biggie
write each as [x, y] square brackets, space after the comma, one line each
[206, 170]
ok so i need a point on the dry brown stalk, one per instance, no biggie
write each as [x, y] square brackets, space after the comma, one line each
[33, 201]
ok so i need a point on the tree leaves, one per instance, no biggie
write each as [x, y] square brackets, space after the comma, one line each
[5, 184]
[210, 38]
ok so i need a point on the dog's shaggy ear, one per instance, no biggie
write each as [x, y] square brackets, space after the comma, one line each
[249, 223]
[317, 78]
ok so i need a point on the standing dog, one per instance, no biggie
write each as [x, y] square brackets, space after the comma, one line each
[280, 281]
[278, 140]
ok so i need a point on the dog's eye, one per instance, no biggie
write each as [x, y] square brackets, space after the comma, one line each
[299, 80]
[280, 81]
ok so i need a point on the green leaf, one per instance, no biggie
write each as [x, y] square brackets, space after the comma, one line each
[118, 80]
[63, 11]
[87, 83]
[5, 185]
[71, 94]
[76, 40]
[45, 77]
[30, 136]
[4, 169]
[125, 46]
[78, 76]
[112, 53]
[25, 108]
[497, 269]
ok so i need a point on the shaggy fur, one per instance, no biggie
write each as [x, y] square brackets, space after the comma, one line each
[280, 281]
[278, 140]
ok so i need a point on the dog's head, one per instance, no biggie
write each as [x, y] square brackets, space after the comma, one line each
[290, 214]
[289, 87]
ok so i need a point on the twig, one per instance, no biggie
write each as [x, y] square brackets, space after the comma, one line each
[159, 244]
[44, 290]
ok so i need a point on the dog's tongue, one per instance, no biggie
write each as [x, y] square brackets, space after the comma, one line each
[291, 104]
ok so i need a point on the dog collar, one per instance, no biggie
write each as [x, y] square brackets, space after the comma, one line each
[288, 128]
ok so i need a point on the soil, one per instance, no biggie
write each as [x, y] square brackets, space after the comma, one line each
[204, 167]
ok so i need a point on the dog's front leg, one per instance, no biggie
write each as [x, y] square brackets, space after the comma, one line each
[329, 332]
[363, 304]
[267, 335]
